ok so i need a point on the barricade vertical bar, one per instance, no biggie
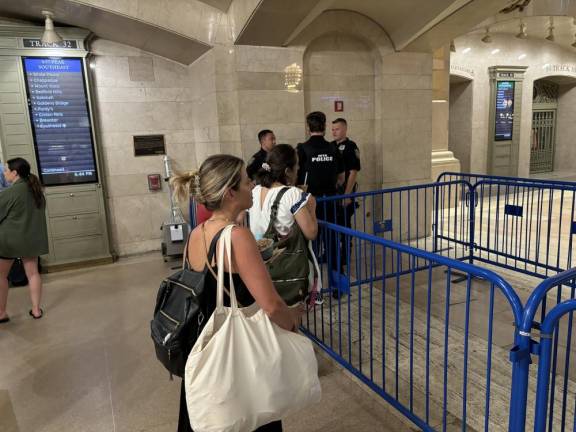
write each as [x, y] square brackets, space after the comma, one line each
[436, 192]
[384, 318]
[412, 286]
[551, 199]
[473, 188]
[466, 334]
[409, 236]
[554, 364]
[446, 332]
[489, 360]
[398, 258]
[560, 228]
[372, 277]
[529, 242]
[401, 236]
[472, 223]
[567, 362]
[444, 205]
[359, 305]
[428, 324]
[538, 227]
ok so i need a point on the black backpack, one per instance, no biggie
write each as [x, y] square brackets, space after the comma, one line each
[180, 313]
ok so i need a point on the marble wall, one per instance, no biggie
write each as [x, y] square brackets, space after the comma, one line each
[565, 152]
[543, 59]
[126, 105]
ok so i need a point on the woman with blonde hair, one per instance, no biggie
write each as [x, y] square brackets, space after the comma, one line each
[224, 188]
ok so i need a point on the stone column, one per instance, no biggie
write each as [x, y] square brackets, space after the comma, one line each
[442, 158]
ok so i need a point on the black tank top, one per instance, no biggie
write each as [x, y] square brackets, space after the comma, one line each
[242, 294]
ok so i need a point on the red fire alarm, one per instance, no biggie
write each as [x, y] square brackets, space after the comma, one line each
[154, 182]
[338, 106]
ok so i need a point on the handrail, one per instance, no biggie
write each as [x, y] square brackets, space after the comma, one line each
[325, 198]
[538, 295]
[505, 178]
[568, 186]
[473, 270]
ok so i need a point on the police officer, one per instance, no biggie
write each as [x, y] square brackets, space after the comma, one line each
[267, 141]
[321, 171]
[321, 167]
[350, 155]
[351, 158]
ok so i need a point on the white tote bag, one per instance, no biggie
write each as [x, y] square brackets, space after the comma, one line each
[244, 371]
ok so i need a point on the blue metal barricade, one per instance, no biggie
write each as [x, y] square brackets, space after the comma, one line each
[433, 217]
[525, 227]
[406, 330]
[544, 308]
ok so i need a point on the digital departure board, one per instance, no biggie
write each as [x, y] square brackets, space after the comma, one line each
[60, 120]
[504, 110]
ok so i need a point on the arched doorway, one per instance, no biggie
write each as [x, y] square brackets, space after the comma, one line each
[342, 68]
[553, 125]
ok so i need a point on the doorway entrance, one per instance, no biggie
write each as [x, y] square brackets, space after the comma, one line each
[543, 138]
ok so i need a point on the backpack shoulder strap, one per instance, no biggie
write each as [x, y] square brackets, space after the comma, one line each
[274, 209]
[212, 251]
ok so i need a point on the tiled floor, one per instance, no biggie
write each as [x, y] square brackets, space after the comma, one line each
[89, 364]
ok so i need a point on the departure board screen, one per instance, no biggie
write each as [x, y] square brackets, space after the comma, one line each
[504, 110]
[60, 120]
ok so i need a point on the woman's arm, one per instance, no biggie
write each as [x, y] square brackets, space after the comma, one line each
[248, 263]
[306, 219]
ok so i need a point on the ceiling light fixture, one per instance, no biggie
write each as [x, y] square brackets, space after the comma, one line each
[522, 33]
[550, 36]
[495, 51]
[466, 50]
[49, 36]
[521, 56]
[452, 46]
[487, 38]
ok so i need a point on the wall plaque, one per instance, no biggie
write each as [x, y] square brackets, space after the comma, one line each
[149, 145]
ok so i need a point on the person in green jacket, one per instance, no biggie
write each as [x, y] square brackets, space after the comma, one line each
[23, 231]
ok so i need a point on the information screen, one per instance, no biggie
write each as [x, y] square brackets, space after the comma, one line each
[60, 120]
[504, 110]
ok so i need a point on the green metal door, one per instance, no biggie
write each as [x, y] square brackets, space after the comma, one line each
[542, 140]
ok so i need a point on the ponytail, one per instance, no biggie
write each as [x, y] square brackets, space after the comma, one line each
[36, 188]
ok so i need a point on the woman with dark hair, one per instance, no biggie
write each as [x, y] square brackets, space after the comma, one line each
[23, 232]
[286, 214]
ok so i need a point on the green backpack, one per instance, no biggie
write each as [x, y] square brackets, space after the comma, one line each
[289, 271]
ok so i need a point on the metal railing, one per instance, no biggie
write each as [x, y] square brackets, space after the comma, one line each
[394, 325]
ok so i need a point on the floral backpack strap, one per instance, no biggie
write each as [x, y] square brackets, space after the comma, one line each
[271, 231]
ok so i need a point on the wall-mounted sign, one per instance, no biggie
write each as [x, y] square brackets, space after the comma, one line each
[560, 68]
[338, 106]
[37, 43]
[154, 182]
[504, 110]
[506, 75]
[60, 120]
[149, 145]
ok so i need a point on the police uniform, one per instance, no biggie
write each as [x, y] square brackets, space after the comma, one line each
[322, 162]
[320, 165]
[350, 155]
[255, 163]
